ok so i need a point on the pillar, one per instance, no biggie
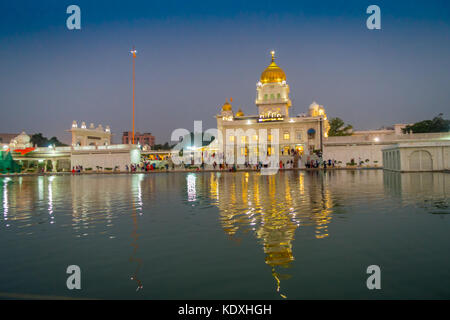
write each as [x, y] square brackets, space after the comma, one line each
[54, 165]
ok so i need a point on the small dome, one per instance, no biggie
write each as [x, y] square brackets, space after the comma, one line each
[22, 138]
[226, 106]
[273, 72]
[22, 141]
[239, 113]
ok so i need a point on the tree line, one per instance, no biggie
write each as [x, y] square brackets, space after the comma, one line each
[39, 140]
[437, 124]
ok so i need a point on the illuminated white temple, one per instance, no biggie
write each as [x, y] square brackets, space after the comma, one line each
[92, 136]
[303, 133]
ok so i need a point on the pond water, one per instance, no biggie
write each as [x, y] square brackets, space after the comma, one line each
[293, 235]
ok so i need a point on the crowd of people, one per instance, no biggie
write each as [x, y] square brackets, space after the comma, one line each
[144, 166]
[319, 163]
[77, 169]
[293, 162]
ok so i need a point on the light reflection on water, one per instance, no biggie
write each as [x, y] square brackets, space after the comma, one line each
[274, 210]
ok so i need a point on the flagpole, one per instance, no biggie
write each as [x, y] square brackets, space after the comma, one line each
[134, 57]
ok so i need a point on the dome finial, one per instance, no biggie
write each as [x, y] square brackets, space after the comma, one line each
[273, 73]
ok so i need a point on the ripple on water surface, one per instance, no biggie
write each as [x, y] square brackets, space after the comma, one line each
[283, 229]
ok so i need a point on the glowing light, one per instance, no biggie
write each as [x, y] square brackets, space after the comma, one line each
[376, 139]
[192, 193]
[50, 196]
[5, 198]
[137, 181]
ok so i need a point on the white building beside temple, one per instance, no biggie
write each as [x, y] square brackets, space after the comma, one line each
[417, 156]
[92, 136]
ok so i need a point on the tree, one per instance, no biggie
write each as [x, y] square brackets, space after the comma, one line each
[337, 128]
[55, 142]
[438, 124]
[164, 146]
[39, 140]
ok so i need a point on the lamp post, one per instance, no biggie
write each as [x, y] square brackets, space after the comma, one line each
[321, 135]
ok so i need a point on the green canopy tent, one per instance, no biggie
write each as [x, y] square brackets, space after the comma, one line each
[7, 164]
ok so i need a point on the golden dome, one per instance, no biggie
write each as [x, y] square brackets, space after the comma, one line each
[239, 113]
[273, 73]
[226, 106]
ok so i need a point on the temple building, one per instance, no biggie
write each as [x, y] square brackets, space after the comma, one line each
[302, 133]
[92, 136]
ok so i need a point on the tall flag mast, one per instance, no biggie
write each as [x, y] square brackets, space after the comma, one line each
[133, 52]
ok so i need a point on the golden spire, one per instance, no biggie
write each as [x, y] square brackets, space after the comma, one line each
[273, 73]
[226, 106]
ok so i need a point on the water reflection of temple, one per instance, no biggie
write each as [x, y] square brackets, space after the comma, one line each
[272, 207]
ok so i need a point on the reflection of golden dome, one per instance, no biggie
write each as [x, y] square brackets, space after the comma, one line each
[273, 73]
[226, 106]
[239, 113]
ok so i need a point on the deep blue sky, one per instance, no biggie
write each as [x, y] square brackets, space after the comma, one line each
[192, 55]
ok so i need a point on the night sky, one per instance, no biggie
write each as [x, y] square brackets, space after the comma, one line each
[192, 55]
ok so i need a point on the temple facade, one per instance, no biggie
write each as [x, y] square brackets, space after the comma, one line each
[92, 136]
[286, 134]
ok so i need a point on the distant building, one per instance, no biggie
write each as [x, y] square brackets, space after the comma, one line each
[92, 136]
[141, 138]
[5, 138]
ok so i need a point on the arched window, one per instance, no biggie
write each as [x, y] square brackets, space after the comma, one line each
[420, 161]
